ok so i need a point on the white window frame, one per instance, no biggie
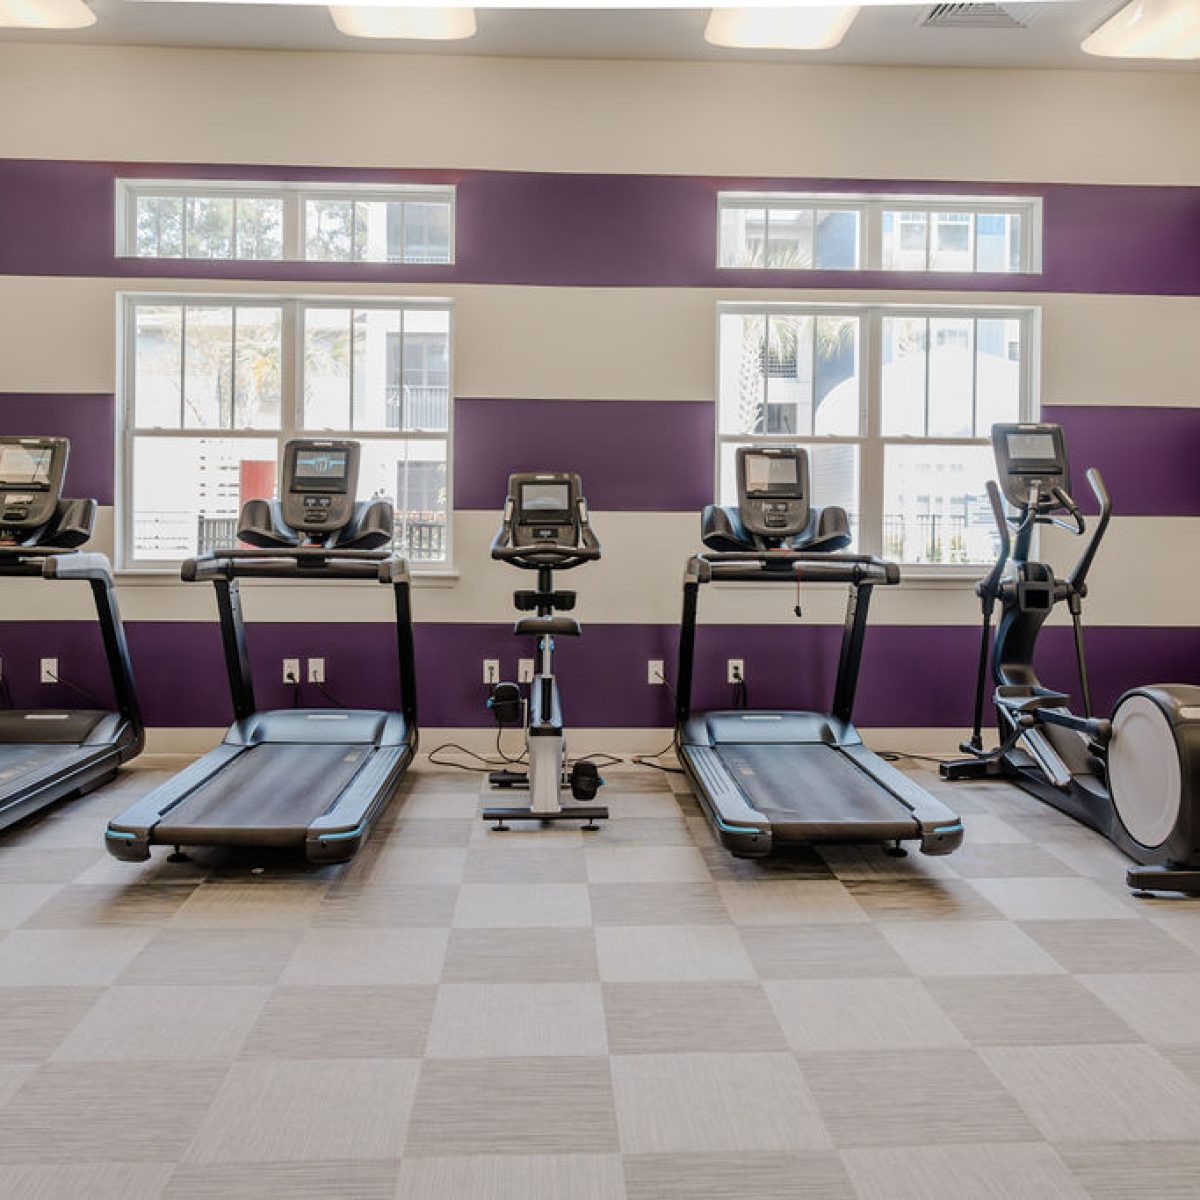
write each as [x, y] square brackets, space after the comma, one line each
[291, 403]
[293, 196]
[870, 208]
[871, 441]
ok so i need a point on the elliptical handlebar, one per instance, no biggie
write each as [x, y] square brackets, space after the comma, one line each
[1079, 572]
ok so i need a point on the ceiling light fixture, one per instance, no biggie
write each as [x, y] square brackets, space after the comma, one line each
[443, 24]
[779, 28]
[1149, 29]
[45, 14]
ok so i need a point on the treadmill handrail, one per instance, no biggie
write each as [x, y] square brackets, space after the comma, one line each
[765, 566]
[296, 562]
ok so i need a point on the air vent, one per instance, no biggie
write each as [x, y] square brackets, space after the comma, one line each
[970, 16]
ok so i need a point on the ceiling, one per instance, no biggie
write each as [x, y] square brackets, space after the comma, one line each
[1049, 36]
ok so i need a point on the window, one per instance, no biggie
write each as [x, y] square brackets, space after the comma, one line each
[879, 232]
[285, 221]
[213, 386]
[895, 405]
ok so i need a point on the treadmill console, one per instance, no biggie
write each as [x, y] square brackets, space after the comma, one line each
[31, 479]
[773, 490]
[1031, 461]
[320, 482]
[546, 508]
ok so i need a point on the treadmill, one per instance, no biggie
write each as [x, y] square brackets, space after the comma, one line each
[767, 779]
[49, 754]
[311, 780]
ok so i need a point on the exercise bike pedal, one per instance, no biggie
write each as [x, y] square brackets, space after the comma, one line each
[585, 780]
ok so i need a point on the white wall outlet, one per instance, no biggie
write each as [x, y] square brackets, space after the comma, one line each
[524, 670]
[316, 670]
[291, 670]
[49, 671]
[654, 671]
[491, 670]
[735, 670]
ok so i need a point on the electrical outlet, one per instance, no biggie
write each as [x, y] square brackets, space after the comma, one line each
[524, 670]
[291, 670]
[316, 670]
[735, 670]
[49, 671]
[654, 671]
[491, 670]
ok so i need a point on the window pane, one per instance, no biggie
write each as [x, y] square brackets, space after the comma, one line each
[742, 402]
[903, 391]
[952, 245]
[257, 368]
[208, 367]
[187, 492]
[837, 240]
[378, 231]
[904, 240]
[426, 232]
[790, 238]
[260, 228]
[833, 477]
[412, 475]
[789, 372]
[836, 382]
[326, 368]
[742, 234]
[329, 230]
[209, 227]
[423, 400]
[158, 365]
[998, 242]
[951, 376]
[376, 376]
[936, 508]
[159, 221]
[998, 373]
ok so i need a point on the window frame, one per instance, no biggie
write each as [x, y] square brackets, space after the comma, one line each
[871, 442]
[871, 206]
[291, 409]
[294, 195]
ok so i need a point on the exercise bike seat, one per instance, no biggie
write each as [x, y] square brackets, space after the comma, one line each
[554, 626]
[1021, 699]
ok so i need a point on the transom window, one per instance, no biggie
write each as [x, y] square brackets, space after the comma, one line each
[213, 387]
[206, 219]
[895, 405]
[828, 232]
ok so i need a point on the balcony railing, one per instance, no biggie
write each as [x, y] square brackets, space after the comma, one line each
[929, 537]
[418, 407]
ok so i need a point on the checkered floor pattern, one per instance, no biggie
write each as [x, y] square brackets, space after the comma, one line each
[626, 1014]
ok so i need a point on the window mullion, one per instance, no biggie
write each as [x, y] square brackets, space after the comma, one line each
[871, 460]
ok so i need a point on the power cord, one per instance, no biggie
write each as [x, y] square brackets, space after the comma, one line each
[741, 696]
[328, 695]
[646, 760]
[290, 678]
[55, 678]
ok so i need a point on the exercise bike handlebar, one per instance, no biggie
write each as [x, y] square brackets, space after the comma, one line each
[546, 554]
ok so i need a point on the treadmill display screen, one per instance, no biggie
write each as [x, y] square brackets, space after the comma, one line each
[320, 470]
[1030, 448]
[25, 466]
[542, 499]
[770, 475]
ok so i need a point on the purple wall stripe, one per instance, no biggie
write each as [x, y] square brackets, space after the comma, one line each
[634, 455]
[1146, 455]
[86, 419]
[912, 676]
[608, 230]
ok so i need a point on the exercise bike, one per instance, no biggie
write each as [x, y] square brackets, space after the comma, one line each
[545, 528]
[1134, 777]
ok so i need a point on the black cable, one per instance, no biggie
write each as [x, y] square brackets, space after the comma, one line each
[327, 694]
[54, 678]
[609, 760]
[894, 755]
[489, 763]
[5, 694]
[504, 755]
[644, 760]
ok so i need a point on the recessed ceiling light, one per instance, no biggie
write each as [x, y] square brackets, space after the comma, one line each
[45, 14]
[426, 24]
[779, 28]
[1149, 29]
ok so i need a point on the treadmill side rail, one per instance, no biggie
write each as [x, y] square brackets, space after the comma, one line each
[941, 828]
[743, 830]
[337, 835]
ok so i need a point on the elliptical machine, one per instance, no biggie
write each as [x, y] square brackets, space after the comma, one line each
[545, 528]
[1135, 778]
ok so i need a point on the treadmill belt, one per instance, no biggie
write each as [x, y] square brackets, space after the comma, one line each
[275, 790]
[813, 792]
[22, 759]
